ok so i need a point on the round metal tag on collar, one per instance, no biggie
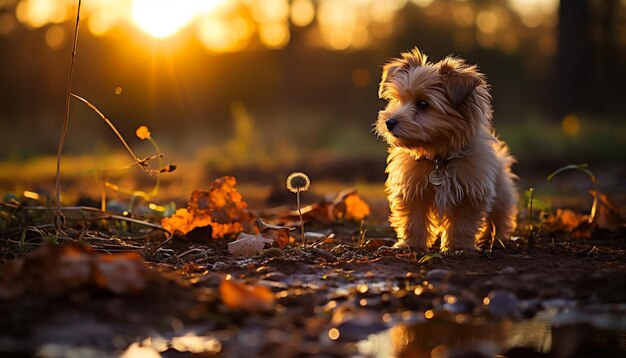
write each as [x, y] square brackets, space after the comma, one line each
[436, 177]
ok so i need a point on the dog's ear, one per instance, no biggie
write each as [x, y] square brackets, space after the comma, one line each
[413, 58]
[459, 80]
[389, 70]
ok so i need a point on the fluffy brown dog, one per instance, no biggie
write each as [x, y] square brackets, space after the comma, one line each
[447, 171]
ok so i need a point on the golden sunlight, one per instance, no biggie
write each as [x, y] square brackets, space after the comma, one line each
[163, 18]
[231, 26]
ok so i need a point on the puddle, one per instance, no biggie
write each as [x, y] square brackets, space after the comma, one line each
[559, 334]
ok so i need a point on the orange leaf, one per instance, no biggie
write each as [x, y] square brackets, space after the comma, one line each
[356, 208]
[608, 215]
[349, 205]
[251, 298]
[121, 273]
[56, 270]
[222, 208]
[570, 219]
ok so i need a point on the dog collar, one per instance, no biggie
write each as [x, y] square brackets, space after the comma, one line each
[439, 174]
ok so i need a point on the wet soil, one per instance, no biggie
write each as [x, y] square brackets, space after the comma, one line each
[343, 297]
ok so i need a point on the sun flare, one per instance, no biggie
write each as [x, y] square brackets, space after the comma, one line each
[163, 18]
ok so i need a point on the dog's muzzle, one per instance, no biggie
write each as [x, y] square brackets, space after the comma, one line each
[391, 123]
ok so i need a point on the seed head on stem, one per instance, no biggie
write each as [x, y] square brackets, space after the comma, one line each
[298, 182]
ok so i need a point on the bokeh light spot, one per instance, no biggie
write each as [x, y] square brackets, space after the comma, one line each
[570, 124]
[55, 36]
[333, 334]
[440, 351]
[463, 15]
[487, 21]
[37, 13]
[274, 35]
[361, 77]
[7, 24]
[302, 12]
[422, 3]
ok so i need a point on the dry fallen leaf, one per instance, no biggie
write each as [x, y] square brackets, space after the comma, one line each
[221, 207]
[350, 206]
[121, 273]
[55, 270]
[182, 221]
[251, 298]
[279, 234]
[347, 205]
[569, 219]
[248, 245]
[608, 215]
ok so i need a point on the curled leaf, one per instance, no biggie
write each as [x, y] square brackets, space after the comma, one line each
[248, 245]
[351, 207]
[279, 234]
[347, 205]
[221, 207]
[608, 215]
[251, 298]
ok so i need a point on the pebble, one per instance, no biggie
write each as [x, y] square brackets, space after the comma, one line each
[219, 266]
[275, 276]
[462, 305]
[361, 326]
[438, 274]
[502, 303]
[509, 270]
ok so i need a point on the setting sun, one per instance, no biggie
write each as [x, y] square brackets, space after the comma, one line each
[162, 18]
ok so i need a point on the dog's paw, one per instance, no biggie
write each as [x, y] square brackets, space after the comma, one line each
[401, 244]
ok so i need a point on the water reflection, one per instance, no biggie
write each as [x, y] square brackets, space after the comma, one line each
[445, 337]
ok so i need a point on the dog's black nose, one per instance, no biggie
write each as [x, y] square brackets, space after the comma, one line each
[391, 123]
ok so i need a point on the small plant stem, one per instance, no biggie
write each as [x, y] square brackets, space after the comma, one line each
[103, 196]
[59, 215]
[301, 220]
[530, 208]
[155, 189]
[596, 191]
[139, 162]
[531, 237]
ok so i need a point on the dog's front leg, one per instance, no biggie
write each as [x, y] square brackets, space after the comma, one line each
[411, 221]
[463, 226]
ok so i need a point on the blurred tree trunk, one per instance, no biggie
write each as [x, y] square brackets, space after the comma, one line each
[589, 73]
[573, 57]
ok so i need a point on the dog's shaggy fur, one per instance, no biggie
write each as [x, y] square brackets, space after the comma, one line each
[448, 173]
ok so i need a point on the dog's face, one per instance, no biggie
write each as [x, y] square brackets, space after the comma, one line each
[433, 109]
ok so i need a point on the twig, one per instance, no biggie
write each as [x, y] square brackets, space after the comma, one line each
[193, 250]
[140, 162]
[59, 215]
[106, 215]
[165, 242]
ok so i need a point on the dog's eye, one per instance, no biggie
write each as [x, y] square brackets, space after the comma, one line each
[422, 104]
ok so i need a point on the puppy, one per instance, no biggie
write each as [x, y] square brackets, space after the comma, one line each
[448, 173]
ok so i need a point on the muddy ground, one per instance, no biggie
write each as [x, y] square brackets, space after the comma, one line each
[351, 295]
